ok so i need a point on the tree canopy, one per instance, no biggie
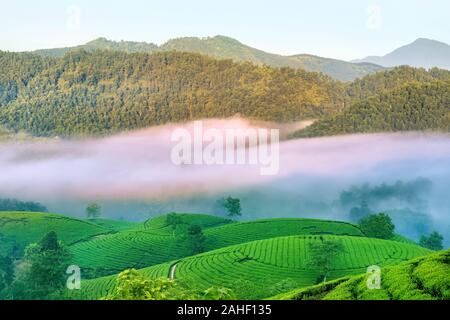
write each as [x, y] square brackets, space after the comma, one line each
[377, 226]
[89, 93]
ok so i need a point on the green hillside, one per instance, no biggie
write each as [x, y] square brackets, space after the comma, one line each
[159, 224]
[413, 107]
[18, 229]
[222, 47]
[237, 233]
[424, 278]
[115, 225]
[108, 91]
[258, 269]
[155, 243]
[394, 78]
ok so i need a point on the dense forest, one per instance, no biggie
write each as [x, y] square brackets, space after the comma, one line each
[103, 92]
[393, 78]
[414, 106]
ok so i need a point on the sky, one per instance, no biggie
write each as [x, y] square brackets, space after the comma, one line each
[346, 29]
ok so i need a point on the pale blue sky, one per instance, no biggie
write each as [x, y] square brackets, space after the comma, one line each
[344, 29]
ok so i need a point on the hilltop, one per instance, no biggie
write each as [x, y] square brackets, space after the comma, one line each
[223, 47]
[400, 99]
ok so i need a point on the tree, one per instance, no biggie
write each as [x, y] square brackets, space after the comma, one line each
[434, 241]
[196, 239]
[93, 211]
[233, 206]
[377, 226]
[17, 205]
[133, 286]
[174, 221]
[323, 255]
[42, 271]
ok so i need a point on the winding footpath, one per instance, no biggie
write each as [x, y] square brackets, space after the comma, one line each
[172, 270]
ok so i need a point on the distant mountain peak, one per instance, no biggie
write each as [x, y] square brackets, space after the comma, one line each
[423, 52]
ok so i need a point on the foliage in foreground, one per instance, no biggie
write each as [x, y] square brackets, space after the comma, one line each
[133, 286]
[41, 274]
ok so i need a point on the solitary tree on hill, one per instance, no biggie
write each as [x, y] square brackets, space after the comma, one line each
[377, 226]
[233, 206]
[323, 255]
[93, 211]
[173, 220]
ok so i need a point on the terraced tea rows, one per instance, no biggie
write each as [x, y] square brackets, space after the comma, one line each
[18, 229]
[101, 287]
[236, 233]
[268, 262]
[155, 243]
[115, 225]
[151, 243]
[421, 278]
[129, 249]
[159, 224]
[264, 264]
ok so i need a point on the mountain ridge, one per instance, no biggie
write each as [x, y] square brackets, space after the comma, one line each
[223, 47]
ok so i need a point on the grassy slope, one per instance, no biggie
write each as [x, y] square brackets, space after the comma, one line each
[18, 229]
[421, 278]
[155, 243]
[255, 269]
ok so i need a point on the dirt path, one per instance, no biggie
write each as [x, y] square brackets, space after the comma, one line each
[172, 270]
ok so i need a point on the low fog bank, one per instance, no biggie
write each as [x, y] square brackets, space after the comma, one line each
[132, 176]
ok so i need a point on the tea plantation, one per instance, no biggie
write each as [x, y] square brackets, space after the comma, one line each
[256, 269]
[154, 242]
[18, 229]
[424, 278]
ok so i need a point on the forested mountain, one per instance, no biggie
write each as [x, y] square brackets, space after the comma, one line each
[227, 48]
[425, 53]
[102, 92]
[413, 106]
[101, 44]
[391, 79]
